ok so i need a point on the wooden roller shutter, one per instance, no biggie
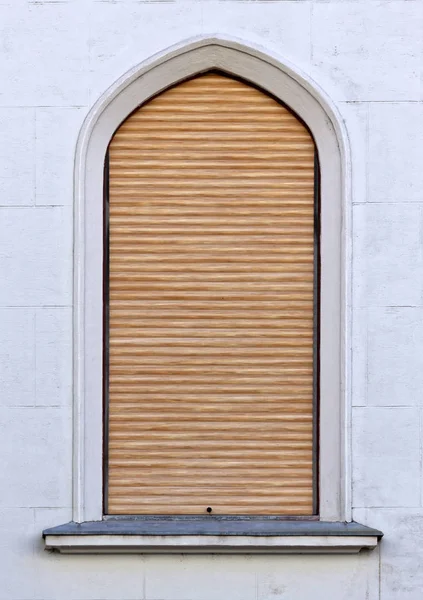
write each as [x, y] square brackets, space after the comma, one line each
[211, 302]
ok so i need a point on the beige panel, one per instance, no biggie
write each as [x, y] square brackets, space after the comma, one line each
[211, 305]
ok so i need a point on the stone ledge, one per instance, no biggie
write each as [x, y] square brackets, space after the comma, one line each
[210, 535]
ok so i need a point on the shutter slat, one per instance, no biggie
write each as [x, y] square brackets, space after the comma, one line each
[211, 305]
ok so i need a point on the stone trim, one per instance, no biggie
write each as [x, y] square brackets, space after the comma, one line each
[210, 534]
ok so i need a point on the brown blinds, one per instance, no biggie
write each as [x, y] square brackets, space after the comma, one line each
[211, 203]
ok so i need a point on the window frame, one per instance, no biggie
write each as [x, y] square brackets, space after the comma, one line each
[309, 103]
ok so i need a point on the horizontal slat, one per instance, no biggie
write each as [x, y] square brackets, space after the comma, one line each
[262, 308]
[206, 496]
[186, 439]
[198, 100]
[172, 445]
[213, 315]
[126, 297]
[166, 212]
[215, 222]
[153, 508]
[257, 289]
[291, 173]
[210, 260]
[246, 158]
[120, 242]
[204, 428]
[237, 341]
[243, 372]
[203, 491]
[214, 319]
[160, 481]
[206, 437]
[284, 202]
[199, 420]
[127, 402]
[226, 389]
[208, 252]
[301, 232]
[226, 454]
[287, 195]
[193, 330]
[153, 241]
[126, 410]
[179, 505]
[218, 104]
[213, 355]
[219, 137]
[177, 502]
[128, 274]
[125, 459]
[202, 476]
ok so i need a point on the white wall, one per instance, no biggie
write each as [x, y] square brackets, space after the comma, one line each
[56, 58]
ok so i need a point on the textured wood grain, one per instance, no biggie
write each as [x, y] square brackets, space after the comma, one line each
[211, 192]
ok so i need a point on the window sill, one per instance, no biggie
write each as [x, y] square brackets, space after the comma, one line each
[152, 535]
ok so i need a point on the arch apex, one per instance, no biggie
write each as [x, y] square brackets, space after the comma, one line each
[215, 50]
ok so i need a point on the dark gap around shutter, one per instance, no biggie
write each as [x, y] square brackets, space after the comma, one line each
[316, 333]
[106, 253]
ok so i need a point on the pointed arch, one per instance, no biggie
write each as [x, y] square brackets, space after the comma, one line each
[308, 101]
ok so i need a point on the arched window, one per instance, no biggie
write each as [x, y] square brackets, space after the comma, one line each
[211, 306]
[225, 313]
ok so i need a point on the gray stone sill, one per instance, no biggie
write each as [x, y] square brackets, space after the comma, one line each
[195, 535]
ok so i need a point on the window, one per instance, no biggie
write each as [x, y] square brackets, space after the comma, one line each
[212, 306]
[326, 525]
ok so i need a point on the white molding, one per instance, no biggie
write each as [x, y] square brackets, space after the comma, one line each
[306, 98]
[186, 544]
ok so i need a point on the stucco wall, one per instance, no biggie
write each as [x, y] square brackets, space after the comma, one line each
[56, 59]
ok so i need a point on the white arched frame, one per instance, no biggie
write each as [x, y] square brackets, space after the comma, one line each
[306, 99]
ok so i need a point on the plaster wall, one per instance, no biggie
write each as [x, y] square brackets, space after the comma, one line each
[56, 59]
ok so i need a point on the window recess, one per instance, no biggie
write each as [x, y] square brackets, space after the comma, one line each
[211, 325]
